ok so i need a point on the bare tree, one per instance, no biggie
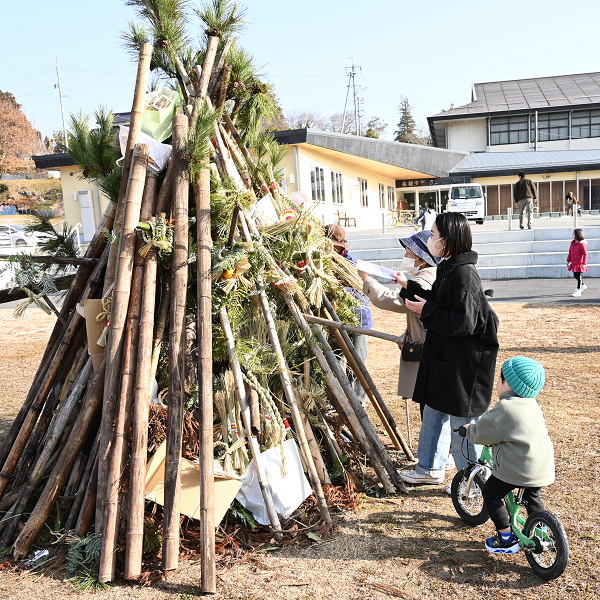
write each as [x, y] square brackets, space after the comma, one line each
[18, 139]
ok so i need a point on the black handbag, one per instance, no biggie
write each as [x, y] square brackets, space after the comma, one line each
[412, 351]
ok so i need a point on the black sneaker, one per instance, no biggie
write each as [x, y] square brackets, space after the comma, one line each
[521, 226]
[497, 544]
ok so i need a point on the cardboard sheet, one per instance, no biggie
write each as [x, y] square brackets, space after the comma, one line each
[92, 308]
[226, 488]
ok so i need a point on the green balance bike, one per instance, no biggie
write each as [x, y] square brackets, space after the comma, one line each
[542, 535]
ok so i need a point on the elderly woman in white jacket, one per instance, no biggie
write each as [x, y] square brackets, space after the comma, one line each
[421, 265]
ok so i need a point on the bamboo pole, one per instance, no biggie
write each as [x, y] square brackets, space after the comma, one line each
[141, 405]
[312, 443]
[352, 329]
[51, 364]
[135, 128]
[217, 70]
[120, 304]
[38, 402]
[159, 328]
[107, 569]
[341, 403]
[179, 272]
[88, 505]
[82, 487]
[284, 375]
[56, 260]
[361, 371]
[360, 412]
[263, 482]
[224, 86]
[60, 473]
[35, 475]
[252, 396]
[208, 583]
[204, 78]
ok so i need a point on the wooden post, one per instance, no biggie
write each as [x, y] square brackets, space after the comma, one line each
[179, 272]
[208, 583]
[159, 327]
[261, 475]
[205, 74]
[220, 63]
[352, 329]
[107, 568]
[135, 128]
[224, 86]
[116, 335]
[60, 473]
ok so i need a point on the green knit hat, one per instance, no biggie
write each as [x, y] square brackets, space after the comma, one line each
[525, 376]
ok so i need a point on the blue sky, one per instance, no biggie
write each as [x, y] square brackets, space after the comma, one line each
[430, 51]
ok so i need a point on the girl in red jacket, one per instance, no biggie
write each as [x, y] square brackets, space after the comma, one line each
[577, 259]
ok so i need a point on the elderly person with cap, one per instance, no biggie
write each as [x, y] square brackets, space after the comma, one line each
[337, 234]
[421, 265]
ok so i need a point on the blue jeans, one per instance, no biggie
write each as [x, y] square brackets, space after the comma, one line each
[436, 437]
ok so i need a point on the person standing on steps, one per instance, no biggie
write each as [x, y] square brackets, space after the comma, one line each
[577, 260]
[525, 196]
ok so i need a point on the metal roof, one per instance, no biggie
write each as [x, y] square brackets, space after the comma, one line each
[526, 94]
[393, 159]
[481, 164]
[53, 161]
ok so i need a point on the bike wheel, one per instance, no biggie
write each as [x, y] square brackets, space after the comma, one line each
[471, 509]
[392, 220]
[550, 556]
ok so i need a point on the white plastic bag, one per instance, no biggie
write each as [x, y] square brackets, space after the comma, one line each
[159, 152]
[288, 493]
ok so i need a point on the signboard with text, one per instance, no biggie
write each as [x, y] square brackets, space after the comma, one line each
[410, 183]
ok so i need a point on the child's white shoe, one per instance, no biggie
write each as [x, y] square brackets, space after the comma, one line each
[583, 287]
[576, 293]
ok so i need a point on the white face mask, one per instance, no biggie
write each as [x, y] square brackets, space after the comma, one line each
[408, 264]
[431, 247]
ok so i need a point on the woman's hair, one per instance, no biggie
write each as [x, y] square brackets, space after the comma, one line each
[578, 233]
[455, 230]
[502, 378]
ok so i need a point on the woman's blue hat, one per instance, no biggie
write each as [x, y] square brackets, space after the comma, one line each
[417, 244]
[525, 376]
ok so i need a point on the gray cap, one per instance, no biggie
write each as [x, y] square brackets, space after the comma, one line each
[417, 244]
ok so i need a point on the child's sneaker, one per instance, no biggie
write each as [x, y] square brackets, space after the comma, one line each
[505, 543]
[583, 287]
[576, 293]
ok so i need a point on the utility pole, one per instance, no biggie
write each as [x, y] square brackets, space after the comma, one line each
[62, 108]
[356, 93]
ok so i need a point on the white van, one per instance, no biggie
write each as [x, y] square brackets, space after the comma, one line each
[468, 199]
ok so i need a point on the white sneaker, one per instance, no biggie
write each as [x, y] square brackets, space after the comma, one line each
[448, 490]
[420, 478]
[576, 293]
[583, 287]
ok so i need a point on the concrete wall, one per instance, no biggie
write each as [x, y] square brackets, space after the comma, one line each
[467, 135]
[71, 184]
[366, 217]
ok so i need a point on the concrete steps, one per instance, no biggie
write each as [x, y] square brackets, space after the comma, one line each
[520, 254]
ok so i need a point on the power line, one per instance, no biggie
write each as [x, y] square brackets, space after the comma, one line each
[25, 77]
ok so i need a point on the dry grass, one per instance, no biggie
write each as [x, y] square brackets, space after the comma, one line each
[408, 546]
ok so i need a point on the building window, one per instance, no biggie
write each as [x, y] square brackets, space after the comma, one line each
[382, 196]
[585, 124]
[508, 130]
[391, 198]
[317, 184]
[337, 190]
[364, 194]
[552, 126]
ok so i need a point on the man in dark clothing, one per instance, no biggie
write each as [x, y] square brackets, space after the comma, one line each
[524, 194]
[337, 234]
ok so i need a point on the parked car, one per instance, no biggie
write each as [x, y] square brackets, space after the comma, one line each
[14, 236]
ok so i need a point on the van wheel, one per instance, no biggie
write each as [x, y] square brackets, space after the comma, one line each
[479, 222]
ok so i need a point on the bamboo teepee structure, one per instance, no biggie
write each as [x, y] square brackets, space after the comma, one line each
[206, 296]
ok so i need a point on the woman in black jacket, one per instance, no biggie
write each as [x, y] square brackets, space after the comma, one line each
[456, 374]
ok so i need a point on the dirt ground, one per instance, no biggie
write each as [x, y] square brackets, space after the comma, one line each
[411, 546]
